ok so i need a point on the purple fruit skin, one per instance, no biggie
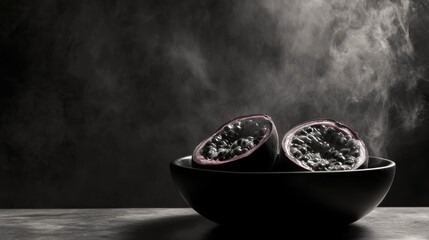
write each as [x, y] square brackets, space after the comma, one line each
[261, 158]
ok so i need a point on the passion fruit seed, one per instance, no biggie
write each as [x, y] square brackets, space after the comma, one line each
[234, 139]
[324, 148]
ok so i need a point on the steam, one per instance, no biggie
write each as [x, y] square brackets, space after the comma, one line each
[347, 60]
[364, 47]
[188, 53]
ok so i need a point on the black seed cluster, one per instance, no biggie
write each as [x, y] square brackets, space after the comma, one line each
[324, 148]
[235, 139]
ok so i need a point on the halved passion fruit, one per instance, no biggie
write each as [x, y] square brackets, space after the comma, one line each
[247, 143]
[324, 145]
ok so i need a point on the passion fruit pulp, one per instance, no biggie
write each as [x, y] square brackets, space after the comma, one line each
[324, 145]
[246, 143]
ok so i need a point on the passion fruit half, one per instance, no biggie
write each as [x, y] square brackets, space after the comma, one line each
[324, 145]
[246, 143]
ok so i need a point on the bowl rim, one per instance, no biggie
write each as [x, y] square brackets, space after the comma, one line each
[391, 164]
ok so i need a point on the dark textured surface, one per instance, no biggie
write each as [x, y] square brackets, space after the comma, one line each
[183, 223]
[97, 97]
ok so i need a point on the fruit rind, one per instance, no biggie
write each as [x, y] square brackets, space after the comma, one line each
[290, 162]
[259, 158]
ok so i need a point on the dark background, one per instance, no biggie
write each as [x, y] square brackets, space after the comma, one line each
[97, 97]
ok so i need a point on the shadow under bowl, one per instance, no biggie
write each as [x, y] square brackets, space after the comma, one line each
[299, 198]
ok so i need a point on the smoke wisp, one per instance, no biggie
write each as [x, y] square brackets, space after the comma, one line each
[347, 60]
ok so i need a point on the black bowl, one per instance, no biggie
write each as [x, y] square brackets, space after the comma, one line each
[267, 198]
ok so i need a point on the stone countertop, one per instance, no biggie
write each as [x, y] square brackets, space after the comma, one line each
[184, 223]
